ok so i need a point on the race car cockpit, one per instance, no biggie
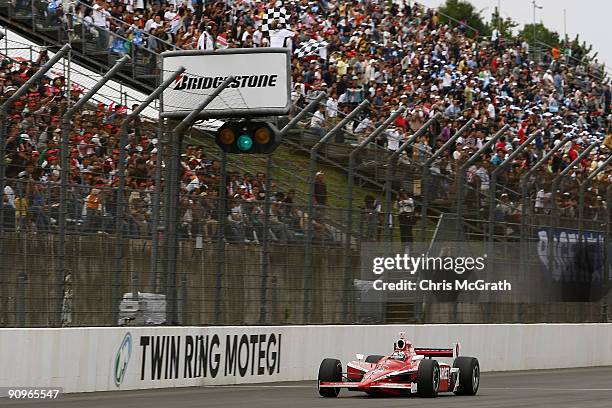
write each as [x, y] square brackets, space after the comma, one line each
[402, 348]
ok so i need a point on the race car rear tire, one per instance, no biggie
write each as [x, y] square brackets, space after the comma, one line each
[428, 379]
[373, 358]
[469, 375]
[330, 370]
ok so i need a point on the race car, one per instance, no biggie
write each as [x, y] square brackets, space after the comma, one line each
[406, 371]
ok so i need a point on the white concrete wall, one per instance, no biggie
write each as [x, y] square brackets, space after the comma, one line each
[83, 359]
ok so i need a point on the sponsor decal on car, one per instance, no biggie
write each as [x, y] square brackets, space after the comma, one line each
[444, 372]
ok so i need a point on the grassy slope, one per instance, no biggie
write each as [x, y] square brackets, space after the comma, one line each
[290, 170]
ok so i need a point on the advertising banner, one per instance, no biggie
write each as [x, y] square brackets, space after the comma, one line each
[109, 359]
[261, 85]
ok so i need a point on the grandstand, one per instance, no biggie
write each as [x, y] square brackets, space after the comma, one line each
[265, 232]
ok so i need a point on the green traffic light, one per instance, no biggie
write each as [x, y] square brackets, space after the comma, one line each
[244, 143]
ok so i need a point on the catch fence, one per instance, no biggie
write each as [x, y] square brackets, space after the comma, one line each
[280, 239]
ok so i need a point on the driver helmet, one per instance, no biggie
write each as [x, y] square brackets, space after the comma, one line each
[404, 346]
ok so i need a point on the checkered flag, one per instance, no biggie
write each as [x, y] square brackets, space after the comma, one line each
[279, 14]
[310, 48]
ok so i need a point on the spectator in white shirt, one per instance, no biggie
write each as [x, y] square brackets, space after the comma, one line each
[490, 109]
[100, 19]
[9, 196]
[539, 201]
[170, 13]
[365, 126]
[393, 139]
[447, 81]
[246, 35]
[483, 175]
[257, 37]
[152, 23]
[317, 121]
[332, 106]
[205, 41]
[280, 38]
[197, 182]
[405, 207]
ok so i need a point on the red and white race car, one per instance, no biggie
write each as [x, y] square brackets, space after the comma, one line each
[407, 371]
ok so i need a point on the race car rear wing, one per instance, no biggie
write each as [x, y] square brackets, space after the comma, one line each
[439, 352]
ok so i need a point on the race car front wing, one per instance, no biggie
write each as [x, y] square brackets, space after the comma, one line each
[357, 385]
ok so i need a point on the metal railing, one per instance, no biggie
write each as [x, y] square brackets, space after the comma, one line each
[93, 46]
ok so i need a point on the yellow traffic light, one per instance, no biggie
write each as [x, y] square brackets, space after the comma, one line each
[227, 136]
[263, 135]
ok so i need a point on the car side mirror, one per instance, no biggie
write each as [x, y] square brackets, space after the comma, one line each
[359, 356]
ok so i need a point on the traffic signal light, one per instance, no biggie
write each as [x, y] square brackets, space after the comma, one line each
[248, 137]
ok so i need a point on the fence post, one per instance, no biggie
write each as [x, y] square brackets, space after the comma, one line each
[21, 283]
[425, 178]
[222, 204]
[391, 163]
[526, 206]
[265, 250]
[265, 261]
[153, 278]
[496, 171]
[557, 180]
[33, 11]
[23, 89]
[133, 52]
[555, 208]
[172, 203]
[4, 108]
[308, 267]
[64, 174]
[608, 234]
[461, 176]
[349, 205]
[581, 191]
[120, 212]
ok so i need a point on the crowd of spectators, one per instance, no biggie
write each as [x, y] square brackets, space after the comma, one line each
[31, 194]
[395, 54]
[390, 53]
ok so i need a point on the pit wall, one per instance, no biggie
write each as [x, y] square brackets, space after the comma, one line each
[106, 359]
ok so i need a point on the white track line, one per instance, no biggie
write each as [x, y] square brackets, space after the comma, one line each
[482, 388]
[546, 389]
[260, 386]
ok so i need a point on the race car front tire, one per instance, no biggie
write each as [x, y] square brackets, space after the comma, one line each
[373, 358]
[469, 375]
[330, 370]
[428, 379]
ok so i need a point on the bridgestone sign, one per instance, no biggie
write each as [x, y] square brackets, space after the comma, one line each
[261, 84]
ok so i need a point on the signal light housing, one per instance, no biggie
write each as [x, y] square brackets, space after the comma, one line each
[248, 137]
[227, 136]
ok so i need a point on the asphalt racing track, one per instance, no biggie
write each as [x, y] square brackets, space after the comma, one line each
[575, 388]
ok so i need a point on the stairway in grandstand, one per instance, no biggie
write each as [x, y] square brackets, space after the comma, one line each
[371, 172]
[139, 73]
